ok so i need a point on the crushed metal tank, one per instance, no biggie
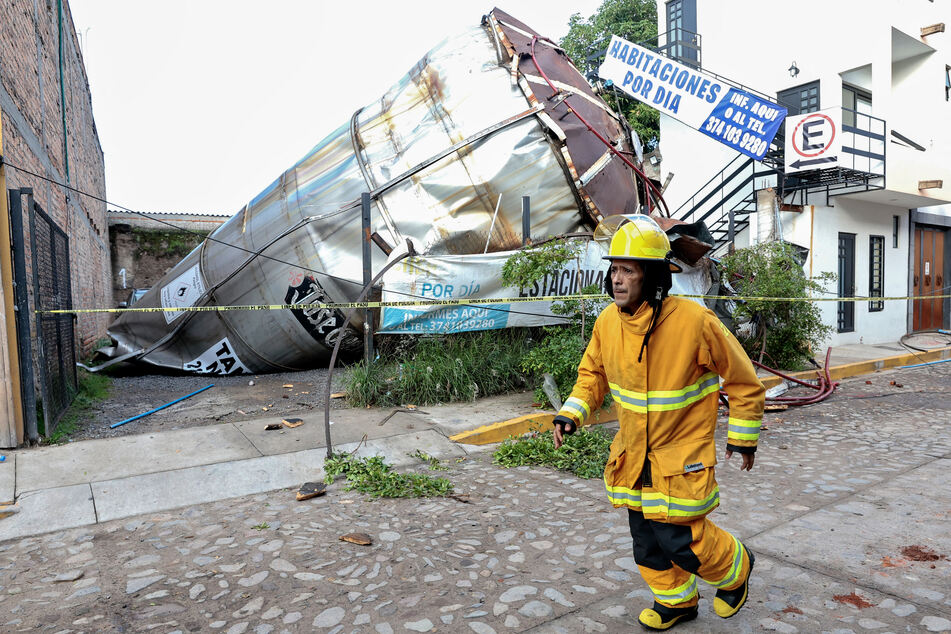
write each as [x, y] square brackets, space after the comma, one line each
[474, 120]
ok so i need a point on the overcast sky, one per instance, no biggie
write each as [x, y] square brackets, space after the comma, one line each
[201, 105]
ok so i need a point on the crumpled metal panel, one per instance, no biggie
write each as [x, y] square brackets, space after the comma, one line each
[299, 241]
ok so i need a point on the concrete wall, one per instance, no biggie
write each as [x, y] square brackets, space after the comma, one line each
[873, 44]
[36, 139]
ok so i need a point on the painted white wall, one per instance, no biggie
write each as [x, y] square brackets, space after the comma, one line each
[874, 44]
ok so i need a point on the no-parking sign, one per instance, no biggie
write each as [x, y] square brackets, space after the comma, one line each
[813, 140]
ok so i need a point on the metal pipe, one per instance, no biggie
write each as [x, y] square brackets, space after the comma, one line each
[367, 274]
[333, 357]
[526, 219]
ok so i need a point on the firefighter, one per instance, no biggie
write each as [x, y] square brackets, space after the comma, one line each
[662, 359]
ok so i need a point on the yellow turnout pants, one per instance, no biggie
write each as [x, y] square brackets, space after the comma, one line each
[672, 556]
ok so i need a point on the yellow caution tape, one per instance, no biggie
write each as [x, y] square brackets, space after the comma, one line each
[465, 302]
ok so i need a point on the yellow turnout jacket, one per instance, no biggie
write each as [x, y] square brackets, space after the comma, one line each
[667, 405]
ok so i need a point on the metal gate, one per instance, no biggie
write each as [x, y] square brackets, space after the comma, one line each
[55, 350]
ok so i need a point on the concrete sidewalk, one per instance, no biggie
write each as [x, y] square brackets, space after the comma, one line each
[95, 481]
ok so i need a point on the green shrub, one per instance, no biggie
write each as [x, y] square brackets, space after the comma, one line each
[558, 353]
[784, 332]
[458, 367]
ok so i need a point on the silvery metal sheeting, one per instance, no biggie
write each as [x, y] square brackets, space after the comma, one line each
[436, 151]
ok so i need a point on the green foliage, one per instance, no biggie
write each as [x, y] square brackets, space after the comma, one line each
[93, 389]
[635, 21]
[441, 370]
[561, 347]
[432, 461]
[524, 267]
[167, 243]
[558, 353]
[584, 453]
[786, 331]
[583, 312]
[261, 527]
[377, 479]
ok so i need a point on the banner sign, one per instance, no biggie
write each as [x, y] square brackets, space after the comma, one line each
[461, 277]
[478, 276]
[734, 117]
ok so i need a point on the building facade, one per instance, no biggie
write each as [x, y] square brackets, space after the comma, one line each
[877, 218]
[50, 140]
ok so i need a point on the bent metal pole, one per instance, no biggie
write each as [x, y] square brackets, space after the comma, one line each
[410, 250]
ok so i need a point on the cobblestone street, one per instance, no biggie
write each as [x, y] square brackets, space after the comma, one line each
[847, 510]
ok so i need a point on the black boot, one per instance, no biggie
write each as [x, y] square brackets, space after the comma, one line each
[660, 617]
[728, 602]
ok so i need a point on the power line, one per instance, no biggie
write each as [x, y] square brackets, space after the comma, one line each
[3, 161]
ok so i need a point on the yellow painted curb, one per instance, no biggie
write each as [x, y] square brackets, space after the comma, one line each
[859, 368]
[542, 421]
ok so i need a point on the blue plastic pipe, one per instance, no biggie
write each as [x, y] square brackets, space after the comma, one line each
[918, 365]
[152, 411]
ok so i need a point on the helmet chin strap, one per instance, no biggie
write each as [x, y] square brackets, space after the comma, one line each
[655, 305]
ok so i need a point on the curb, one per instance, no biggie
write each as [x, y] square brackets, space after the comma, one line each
[542, 421]
[859, 368]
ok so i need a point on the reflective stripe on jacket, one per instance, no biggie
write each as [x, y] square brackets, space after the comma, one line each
[672, 397]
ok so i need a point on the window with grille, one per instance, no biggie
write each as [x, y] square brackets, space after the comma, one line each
[876, 272]
[801, 99]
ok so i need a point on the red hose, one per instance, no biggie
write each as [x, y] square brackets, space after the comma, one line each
[825, 386]
[649, 186]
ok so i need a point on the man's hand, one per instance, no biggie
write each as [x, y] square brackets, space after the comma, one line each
[564, 426]
[748, 459]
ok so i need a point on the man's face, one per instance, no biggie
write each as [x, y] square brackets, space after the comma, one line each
[627, 278]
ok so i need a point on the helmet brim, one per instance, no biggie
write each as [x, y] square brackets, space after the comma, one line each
[674, 267]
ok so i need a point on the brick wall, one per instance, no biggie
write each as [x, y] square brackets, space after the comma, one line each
[31, 100]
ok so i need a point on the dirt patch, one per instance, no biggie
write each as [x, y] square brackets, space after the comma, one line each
[232, 399]
[853, 600]
[921, 553]
[791, 609]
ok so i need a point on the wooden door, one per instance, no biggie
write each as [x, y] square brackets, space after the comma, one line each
[928, 314]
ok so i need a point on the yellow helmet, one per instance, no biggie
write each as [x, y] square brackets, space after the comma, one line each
[635, 237]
